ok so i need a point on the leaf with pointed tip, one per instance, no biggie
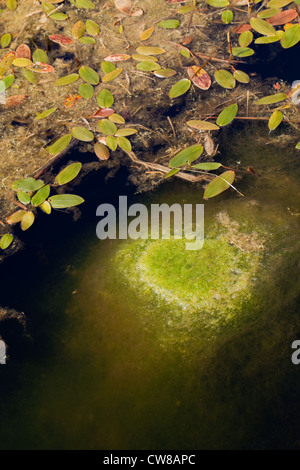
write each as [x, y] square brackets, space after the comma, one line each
[61, 39]
[270, 39]
[199, 77]
[207, 166]
[202, 125]
[262, 27]
[242, 51]
[270, 99]
[275, 119]
[89, 75]
[67, 79]
[291, 37]
[92, 28]
[6, 240]
[23, 197]
[146, 33]
[83, 134]
[117, 57]
[268, 13]
[86, 91]
[63, 201]
[245, 38]
[59, 145]
[22, 62]
[150, 50]
[227, 115]
[45, 114]
[169, 24]
[148, 66]
[87, 4]
[125, 131]
[124, 143]
[278, 3]
[180, 87]
[107, 67]
[297, 146]
[111, 142]
[241, 76]
[58, 16]
[27, 220]
[105, 98]
[27, 184]
[40, 196]
[112, 75]
[186, 156]
[225, 78]
[68, 174]
[40, 56]
[15, 217]
[172, 172]
[107, 127]
[116, 118]
[219, 184]
[78, 29]
[164, 73]
[101, 151]
[45, 207]
[87, 40]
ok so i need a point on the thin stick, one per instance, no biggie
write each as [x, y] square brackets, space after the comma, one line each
[172, 127]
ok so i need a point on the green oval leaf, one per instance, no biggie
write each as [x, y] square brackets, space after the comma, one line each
[45, 114]
[269, 39]
[68, 174]
[169, 24]
[105, 99]
[297, 146]
[46, 207]
[22, 62]
[67, 79]
[291, 37]
[241, 76]
[148, 66]
[218, 3]
[29, 75]
[270, 99]
[27, 184]
[92, 27]
[87, 4]
[87, 40]
[111, 75]
[202, 125]
[111, 142]
[59, 145]
[262, 27]
[275, 119]
[6, 240]
[107, 127]
[8, 81]
[5, 40]
[219, 184]
[86, 91]
[207, 166]
[15, 217]
[225, 78]
[245, 38]
[27, 220]
[180, 87]
[101, 151]
[268, 13]
[150, 50]
[83, 134]
[227, 16]
[186, 156]
[41, 195]
[11, 4]
[63, 201]
[227, 115]
[23, 197]
[78, 29]
[278, 3]
[40, 56]
[58, 16]
[125, 131]
[107, 67]
[124, 143]
[242, 51]
[89, 75]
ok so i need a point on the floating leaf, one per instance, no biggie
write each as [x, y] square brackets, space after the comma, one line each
[59, 145]
[102, 113]
[78, 29]
[45, 114]
[227, 115]
[169, 24]
[199, 77]
[6, 240]
[218, 3]
[29, 75]
[67, 79]
[291, 37]
[40, 56]
[111, 142]
[107, 67]
[71, 100]
[92, 27]
[23, 51]
[15, 217]
[283, 17]
[269, 39]
[164, 73]
[27, 220]
[22, 63]
[172, 172]
[146, 34]
[46, 207]
[23, 197]
[89, 75]
[241, 76]
[245, 38]
[124, 143]
[219, 184]
[262, 27]
[63, 201]
[125, 131]
[202, 125]
[148, 66]
[101, 151]
[87, 40]
[117, 57]
[40, 196]
[81, 133]
[58, 16]
[142, 57]
[6, 62]
[267, 13]
[11, 4]
[149, 50]
[27, 185]
[8, 80]
[87, 4]
[86, 91]
[275, 119]
[107, 127]
[227, 16]
[112, 75]
[185, 53]
[117, 118]
[207, 166]
[61, 39]
[5, 40]
[180, 87]
[105, 99]
[185, 9]
[270, 99]
[242, 51]
[68, 174]
[186, 156]
[225, 78]
[298, 146]
[278, 3]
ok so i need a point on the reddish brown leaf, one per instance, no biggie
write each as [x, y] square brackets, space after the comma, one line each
[102, 113]
[177, 1]
[137, 12]
[60, 39]
[124, 6]
[187, 40]
[283, 17]
[199, 77]
[71, 100]
[117, 57]
[243, 27]
[46, 68]
[101, 151]
[23, 52]
[15, 100]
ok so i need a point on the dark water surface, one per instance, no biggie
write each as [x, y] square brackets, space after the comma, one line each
[110, 363]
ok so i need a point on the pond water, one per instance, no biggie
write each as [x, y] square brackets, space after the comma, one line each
[141, 344]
